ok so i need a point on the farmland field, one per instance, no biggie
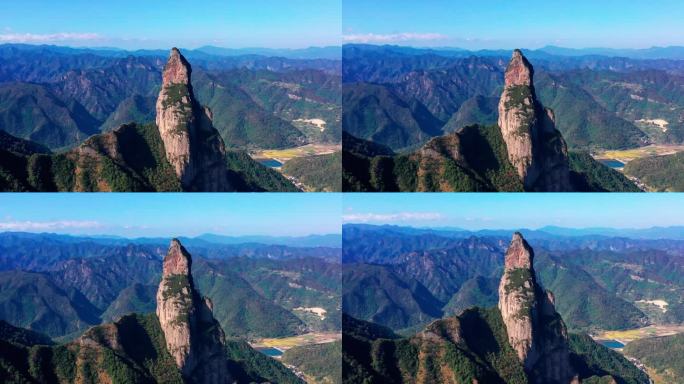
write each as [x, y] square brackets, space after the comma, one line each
[285, 343]
[628, 335]
[283, 155]
[627, 155]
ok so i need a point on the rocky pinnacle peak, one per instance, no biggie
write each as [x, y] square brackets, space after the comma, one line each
[535, 148]
[519, 70]
[519, 254]
[177, 70]
[176, 119]
[535, 330]
[176, 306]
[193, 337]
[518, 118]
[517, 300]
[177, 261]
[192, 145]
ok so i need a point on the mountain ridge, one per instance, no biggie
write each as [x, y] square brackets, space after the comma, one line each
[523, 152]
[595, 290]
[62, 285]
[182, 342]
[315, 240]
[497, 345]
[144, 158]
[673, 52]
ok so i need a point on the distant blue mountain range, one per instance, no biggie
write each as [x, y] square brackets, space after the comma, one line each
[329, 240]
[670, 233]
[653, 53]
[311, 53]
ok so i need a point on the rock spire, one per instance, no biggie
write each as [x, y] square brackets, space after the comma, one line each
[193, 337]
[535, 330]
[535, 148]
[193, 146]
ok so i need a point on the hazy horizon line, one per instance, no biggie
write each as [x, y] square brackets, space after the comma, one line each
[449, 47]
[113, 47]
[456, 227]
[105, 235]
[340, 46]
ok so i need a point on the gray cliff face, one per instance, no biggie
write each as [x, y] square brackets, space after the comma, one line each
[193, 337]
[193, 146]
[535, 330]
[535, 148]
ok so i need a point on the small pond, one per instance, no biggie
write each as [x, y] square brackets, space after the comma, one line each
[612, 163]
[271, 163]
[273, 352]
[612, 344]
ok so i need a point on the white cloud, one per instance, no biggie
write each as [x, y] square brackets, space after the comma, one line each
[392, 37]
[135, 227]
[46, 38]
[47, 225]
[391, 217]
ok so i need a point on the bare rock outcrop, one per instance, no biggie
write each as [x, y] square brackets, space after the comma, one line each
[517, 300]
[535, 148]
[193, 146]
[535, 330]
[193, 337]
[448, 329]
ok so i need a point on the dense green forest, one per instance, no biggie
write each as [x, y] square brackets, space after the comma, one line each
[664, 354]
[130, 158]
[663, 173]
[322, 362]
[322, 173]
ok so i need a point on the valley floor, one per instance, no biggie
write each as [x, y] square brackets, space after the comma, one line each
[627, 155]
[626, 336]
[276, 158]
[617, 159]
[624, 156]
[284, 343]
[283, 155]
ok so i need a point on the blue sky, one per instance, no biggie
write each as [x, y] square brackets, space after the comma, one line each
[283, 214]
[494, 24]
[169, 214]
[516, 210]
[162, 24]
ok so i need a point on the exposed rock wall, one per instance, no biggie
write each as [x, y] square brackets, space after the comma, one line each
[535, 330]
[174, 115]
[517, 300]
[535, 148]
[193, 337]
[193, 146]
